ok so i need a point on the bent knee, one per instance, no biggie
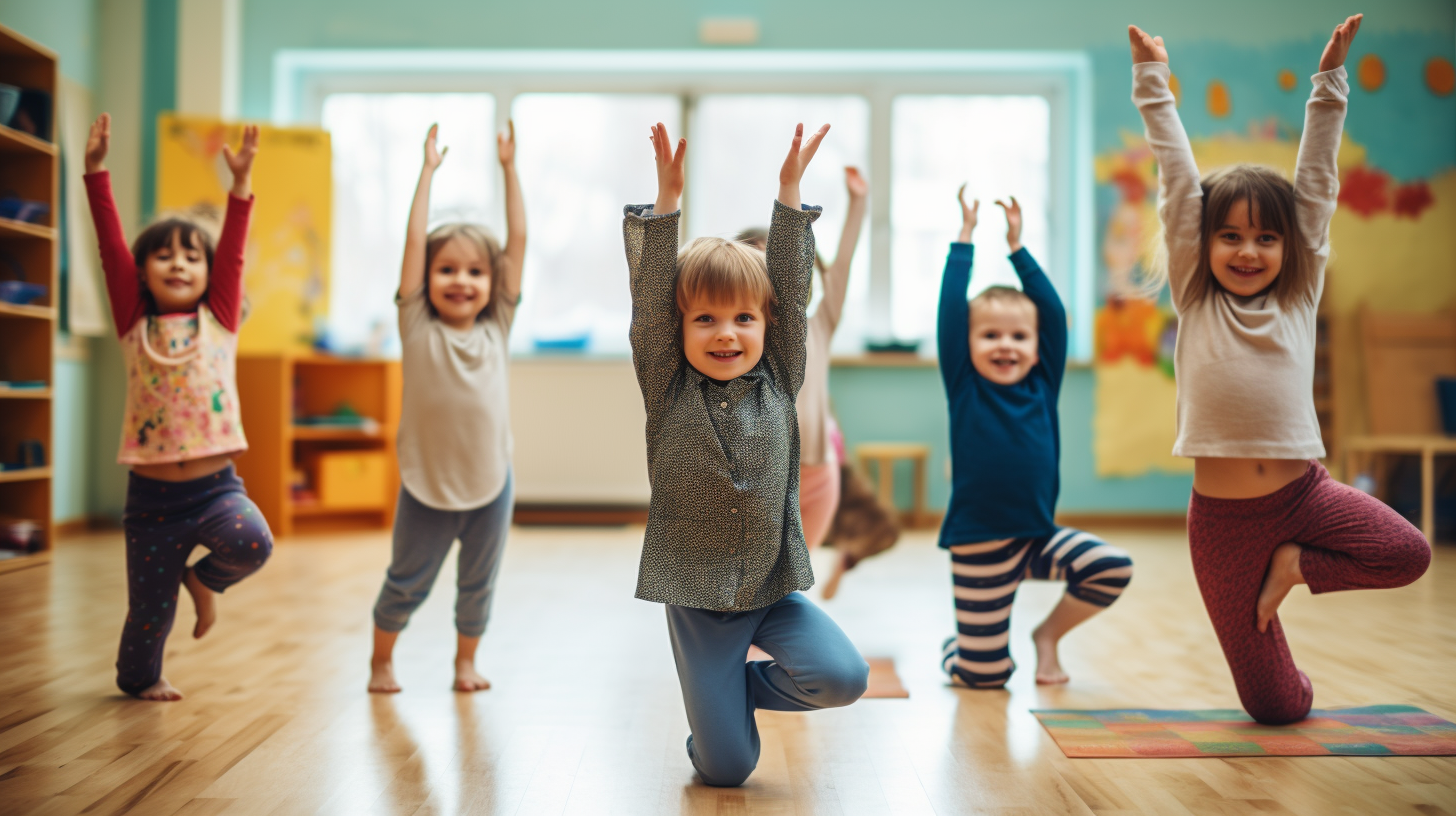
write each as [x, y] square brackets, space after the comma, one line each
[726, 774]
[1413, 558]
[845, 684]
[1278, 713]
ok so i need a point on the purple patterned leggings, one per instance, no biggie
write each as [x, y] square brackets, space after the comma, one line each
[164, 521]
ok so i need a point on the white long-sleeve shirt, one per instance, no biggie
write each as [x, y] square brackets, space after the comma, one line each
[1245, 365]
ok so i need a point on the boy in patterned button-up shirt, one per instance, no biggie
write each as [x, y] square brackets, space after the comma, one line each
[718, 342]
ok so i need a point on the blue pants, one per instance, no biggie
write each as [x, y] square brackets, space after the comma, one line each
[814, 666]
[163, 522]
[986, 576]
[422, 539]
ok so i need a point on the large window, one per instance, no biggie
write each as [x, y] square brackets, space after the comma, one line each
[580, 158]
[738, 145]
[378, 145]
[997, 146]
[918, 124]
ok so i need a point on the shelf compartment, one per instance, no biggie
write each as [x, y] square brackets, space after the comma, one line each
[10, 228]
[310, 433]
[25, 393]
[36, 312]
[15, 141]
[26, 475]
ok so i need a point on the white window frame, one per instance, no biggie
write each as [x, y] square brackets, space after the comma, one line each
[303, 78]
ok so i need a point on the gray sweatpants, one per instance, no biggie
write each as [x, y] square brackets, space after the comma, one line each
[814, 666]
[422, 539]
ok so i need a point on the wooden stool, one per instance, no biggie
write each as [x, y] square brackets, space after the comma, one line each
[885, 455]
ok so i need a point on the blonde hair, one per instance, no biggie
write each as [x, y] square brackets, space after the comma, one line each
[717, 270]
[484, 243]
[1004, 294]
[1270, 198]
[757, 237]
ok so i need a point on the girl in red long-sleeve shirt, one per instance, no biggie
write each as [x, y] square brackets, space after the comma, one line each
[177, 302]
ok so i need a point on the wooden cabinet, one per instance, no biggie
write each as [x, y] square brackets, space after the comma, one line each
[279, 395]
[29, 251]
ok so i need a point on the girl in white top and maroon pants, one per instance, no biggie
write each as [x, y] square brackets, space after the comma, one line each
[1246, 258]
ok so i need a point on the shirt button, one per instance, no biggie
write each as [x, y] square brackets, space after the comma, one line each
[733, 510]
[732, 551]
[722, 405]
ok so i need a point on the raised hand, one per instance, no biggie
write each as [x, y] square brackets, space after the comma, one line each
[241, 162]
[1146, 48]
[433, 154]
[669, 170]
[1339, 45]
[98, 144]
[1013, 223]
[505, 143]
[801, 152]
[855, 183]
[969, 215]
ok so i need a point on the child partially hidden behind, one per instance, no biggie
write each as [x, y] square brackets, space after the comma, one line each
[1003, 372]
[718, 342]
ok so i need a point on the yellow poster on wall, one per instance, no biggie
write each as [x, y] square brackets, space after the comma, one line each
[286, 274]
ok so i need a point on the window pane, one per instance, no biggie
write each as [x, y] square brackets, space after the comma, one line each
[581, 157]
[738, 143]
[998, 146]
[378, 144]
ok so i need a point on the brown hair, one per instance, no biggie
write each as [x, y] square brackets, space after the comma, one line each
[1004, 294]
[717, 270]
[1270, 198]
[758, 237]
[484, 243]
[157, 237]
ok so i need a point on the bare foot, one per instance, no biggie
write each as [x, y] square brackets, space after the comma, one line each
[467, 678]
[1284, 574]
[381, 679]
[1048, 668]
[204, 599]
[160, 691]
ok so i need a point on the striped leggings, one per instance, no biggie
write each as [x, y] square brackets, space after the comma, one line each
[986, 576]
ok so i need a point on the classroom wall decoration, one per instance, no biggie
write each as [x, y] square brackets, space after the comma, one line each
[287, 268]
[1397, 207]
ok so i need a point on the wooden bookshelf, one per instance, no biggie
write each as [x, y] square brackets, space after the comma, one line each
[275, 390]
[29, 168]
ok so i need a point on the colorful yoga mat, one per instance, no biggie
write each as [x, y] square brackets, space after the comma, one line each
[1383, 730]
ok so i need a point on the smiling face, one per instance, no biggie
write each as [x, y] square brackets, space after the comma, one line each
[1245, 258]
[176, 273]
[459, 281]
[723, 339]
[1003, 338]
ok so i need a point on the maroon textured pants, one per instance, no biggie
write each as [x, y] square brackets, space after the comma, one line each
[1351, 541]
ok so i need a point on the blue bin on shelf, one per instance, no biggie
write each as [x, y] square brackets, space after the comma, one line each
[1446, 396]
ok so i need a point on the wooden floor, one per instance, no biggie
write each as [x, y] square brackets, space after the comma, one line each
[586, 716]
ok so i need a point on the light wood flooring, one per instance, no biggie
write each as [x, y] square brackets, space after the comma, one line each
[586, 717]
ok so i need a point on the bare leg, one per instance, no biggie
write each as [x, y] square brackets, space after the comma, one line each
[830, 587]
[381, 663]
[205, 600]
[1069, 612]
[1284, 574]
[160, 691]
[466, 677]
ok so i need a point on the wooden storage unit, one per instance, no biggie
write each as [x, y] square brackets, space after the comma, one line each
[29, 168]
[275, 390]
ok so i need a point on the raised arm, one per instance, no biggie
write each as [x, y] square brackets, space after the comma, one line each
[1180, 190]
[514, 255]
[651, 242]
[123, 282]
[1316, 177]
[225, 283]
[953, 319]
[1051, 315]
[790, 253]
[412, 273]
[836, 276]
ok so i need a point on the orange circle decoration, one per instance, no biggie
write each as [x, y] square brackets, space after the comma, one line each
[1219, 103]
[1177, 88]
[1440, 76]
[1371, 72]
[1287, 80]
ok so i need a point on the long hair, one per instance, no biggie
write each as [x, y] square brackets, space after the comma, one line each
[484, 243]
[1270, 198]
[158, 236]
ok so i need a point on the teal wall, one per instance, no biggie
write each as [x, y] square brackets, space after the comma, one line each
[67, 27]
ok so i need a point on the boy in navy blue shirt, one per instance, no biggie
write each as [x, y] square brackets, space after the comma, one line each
[1002, 360]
